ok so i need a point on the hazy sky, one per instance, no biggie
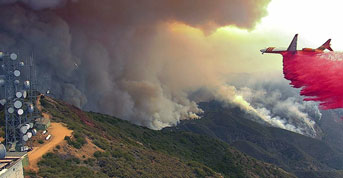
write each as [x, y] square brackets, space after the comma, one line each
[315, 21]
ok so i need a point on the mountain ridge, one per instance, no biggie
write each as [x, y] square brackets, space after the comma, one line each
[127, 150]
[291, 151]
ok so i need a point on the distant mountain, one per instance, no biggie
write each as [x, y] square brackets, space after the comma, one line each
[105, 146]
[301, 155]
[331, 123]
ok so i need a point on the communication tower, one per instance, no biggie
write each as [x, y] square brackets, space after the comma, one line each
[18, 97]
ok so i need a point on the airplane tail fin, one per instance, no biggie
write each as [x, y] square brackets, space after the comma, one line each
[326, 45]
[293, 46]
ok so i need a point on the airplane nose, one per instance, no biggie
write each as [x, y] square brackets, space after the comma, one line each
[263, 50]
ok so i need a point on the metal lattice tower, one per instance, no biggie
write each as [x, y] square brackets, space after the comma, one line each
[19, 100]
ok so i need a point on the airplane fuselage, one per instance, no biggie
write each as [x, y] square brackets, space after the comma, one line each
[292, 48]
[282, 51]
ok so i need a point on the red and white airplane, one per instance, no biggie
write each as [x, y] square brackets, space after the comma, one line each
[292, 48]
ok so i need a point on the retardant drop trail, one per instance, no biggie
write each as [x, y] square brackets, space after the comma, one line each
[319, 75]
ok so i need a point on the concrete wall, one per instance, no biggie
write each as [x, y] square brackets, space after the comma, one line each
[16, 171]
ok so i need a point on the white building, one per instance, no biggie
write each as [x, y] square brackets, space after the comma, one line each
[12, 165]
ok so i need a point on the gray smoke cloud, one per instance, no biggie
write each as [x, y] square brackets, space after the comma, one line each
[279, 104]
[120, 57]
[37, 4]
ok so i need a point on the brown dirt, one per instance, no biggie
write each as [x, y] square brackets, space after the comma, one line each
[58, 132]
[39, 107]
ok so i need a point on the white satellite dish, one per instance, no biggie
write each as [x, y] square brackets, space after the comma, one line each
[20, 112]
[18, 104]
[23, 129]
[30, 108]
[27, 84]
[18, 94]
[3, 101]
[25, 138]
[24, 93]
[34, 132]
[10, 110]
[21, 64]
[1, 54]
[13, 56]
[16, 82]
[16, 73]
[29, 134]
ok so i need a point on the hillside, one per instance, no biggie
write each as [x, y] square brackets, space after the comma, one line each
[104, 146]
[293, 152]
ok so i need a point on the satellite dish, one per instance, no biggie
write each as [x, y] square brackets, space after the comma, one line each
[3, 101]
[30, 108]
[16, 82]
[31, 125]
[18, 104]
[21, 64]
[34, 132]
[23, 129]
[29, 134]
[20, 112]
[25, 138]
[1, 54]
[24, 93]
[13, 56]
[16, 73]
[27, 84]
[18, 94]
[10, 110]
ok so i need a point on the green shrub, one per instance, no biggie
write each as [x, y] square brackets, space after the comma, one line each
[53, 165]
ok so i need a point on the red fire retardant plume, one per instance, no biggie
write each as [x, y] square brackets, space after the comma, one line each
[319, 75]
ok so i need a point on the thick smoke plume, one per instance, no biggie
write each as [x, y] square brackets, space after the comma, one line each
[37, 4]
[131, 59]
[146, 61]
[319, 76]
[275, 102]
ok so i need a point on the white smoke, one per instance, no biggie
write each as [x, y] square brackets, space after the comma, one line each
[275, 103]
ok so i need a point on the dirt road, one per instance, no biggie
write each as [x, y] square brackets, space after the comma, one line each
[58, 132]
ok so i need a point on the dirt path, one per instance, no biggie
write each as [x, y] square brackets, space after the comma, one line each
[58, 132]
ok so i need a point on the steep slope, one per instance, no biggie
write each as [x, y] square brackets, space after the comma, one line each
[292, 152]
[117, 148]
[332, 125]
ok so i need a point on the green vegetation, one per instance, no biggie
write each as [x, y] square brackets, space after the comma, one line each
[53, 165]
[77, 142]
[291, 151]
[128, 150]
